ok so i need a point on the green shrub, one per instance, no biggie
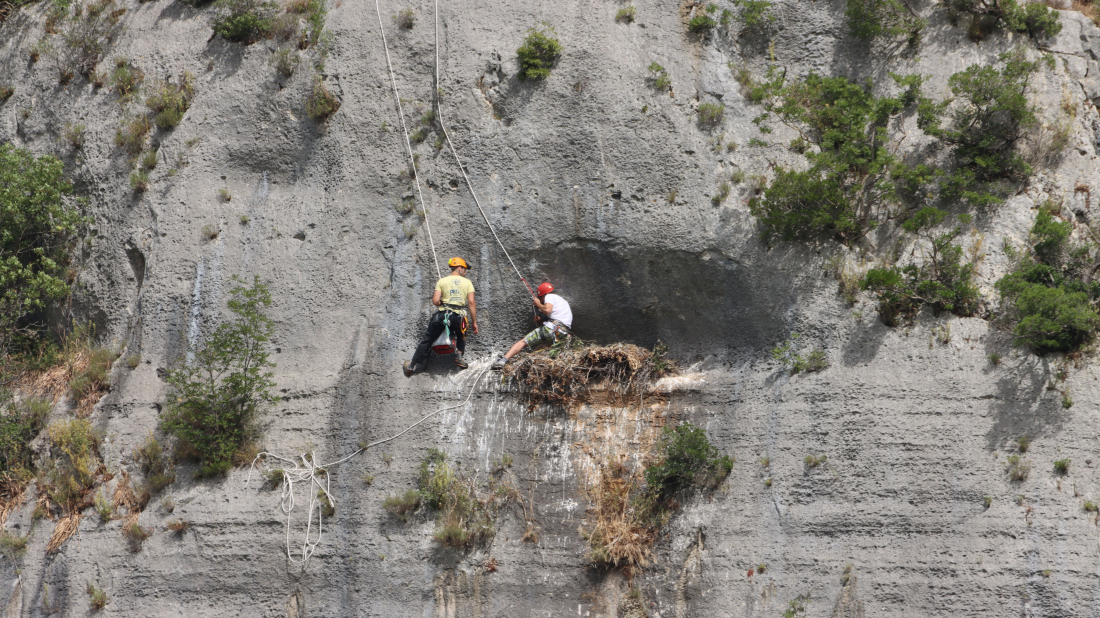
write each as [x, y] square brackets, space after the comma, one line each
[851, 173]
[755, 14]
[402, 506]
[687, 461]
[87, 36]
[1090, 506]
[6, 92]
[1061, 466]
[155, 465]
[1023, 443]
[37, 227]
[942, 280]
[170, 101]
[244, 21]
[321, 103]
[139, 180]
[990, 116]
[626, 14]
[1032, 18]
[659, 78]
[1049, 296]
[703, 22]
[405, 19]
[214, 400]
[870, 19]
[20, 424]
[711, 114]
[74, 134]
[95, 376]
[539, 52]
[812, 361]
[285, 60]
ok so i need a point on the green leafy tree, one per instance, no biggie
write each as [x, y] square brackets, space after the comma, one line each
[943, 280]
[37, 227]
[989, 116]
[214, 399]
[688, 460]
[842, 132]
[539, 52]
[871, 19]
[1050, 295]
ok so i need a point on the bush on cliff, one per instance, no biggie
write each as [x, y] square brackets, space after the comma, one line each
[1049, 297]
[539, 52]
[214, 398]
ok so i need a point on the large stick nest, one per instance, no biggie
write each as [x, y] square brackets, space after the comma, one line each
[565, 372]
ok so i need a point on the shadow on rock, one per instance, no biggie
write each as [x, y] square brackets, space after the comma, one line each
[1019, 407]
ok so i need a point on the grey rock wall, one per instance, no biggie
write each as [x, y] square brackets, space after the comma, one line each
[575, 174]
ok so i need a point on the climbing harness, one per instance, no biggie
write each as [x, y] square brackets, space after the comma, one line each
[408, 144]
[306, 469]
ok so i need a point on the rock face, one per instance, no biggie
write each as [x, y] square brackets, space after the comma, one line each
[601, 184]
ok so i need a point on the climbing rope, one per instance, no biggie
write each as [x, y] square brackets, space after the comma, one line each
[408, 142]
[305, 469]
[462, 168]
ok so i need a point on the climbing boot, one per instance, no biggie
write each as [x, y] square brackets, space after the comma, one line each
[461, 362]
[499, 364]
[410, 368]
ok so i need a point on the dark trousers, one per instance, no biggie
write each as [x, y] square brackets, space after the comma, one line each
[435, 326]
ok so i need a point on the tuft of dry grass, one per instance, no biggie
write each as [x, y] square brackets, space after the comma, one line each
[619, 535]
[565, 372]
[65, 528]
[1088, 9]
[12, 491]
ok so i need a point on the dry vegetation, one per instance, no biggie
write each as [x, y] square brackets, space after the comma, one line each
[619, 534]
[564, 373]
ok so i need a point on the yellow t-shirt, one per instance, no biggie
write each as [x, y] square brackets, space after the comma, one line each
[453, 291]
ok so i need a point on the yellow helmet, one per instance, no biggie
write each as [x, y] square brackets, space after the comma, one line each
[455, 262]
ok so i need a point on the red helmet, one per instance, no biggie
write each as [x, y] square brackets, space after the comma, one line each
[545, 288]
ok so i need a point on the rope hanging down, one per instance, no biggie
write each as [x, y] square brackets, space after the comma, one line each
[408, 143]
[305, 469]
[461, 168]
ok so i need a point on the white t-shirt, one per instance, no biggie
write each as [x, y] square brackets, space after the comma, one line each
[561, 312]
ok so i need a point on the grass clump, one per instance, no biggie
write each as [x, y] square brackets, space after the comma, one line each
[621, 530]
[402, 506]
[244, 21]
[68, 477]
[813, 461]
[285, 61]
[1023, 443]
[170, 101]
[811, 361]
[1017, 468]
[139, 180]
[711, 114]
[851, 173]
[990, 115]
[1061, 466]
[12, 545]
[886, 19]
[131, 135]
[96, 597]
[155, 465]
[1090, 506]
[321, 103]
[125, 78]
[6, 92]
[86, 36]
[19, 424]
[463, 520]
[38, 225]
[405, 19]
[1049, 296]
[74, 135]
[135, 536]
[178, 526]
[626, 14]
[943, 279]
[539, 53]
[214, 400]
[564, 372]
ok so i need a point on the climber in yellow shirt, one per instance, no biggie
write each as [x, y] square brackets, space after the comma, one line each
[454, 295]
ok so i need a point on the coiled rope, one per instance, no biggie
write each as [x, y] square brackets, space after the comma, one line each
[408, 142]
[305, 469]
